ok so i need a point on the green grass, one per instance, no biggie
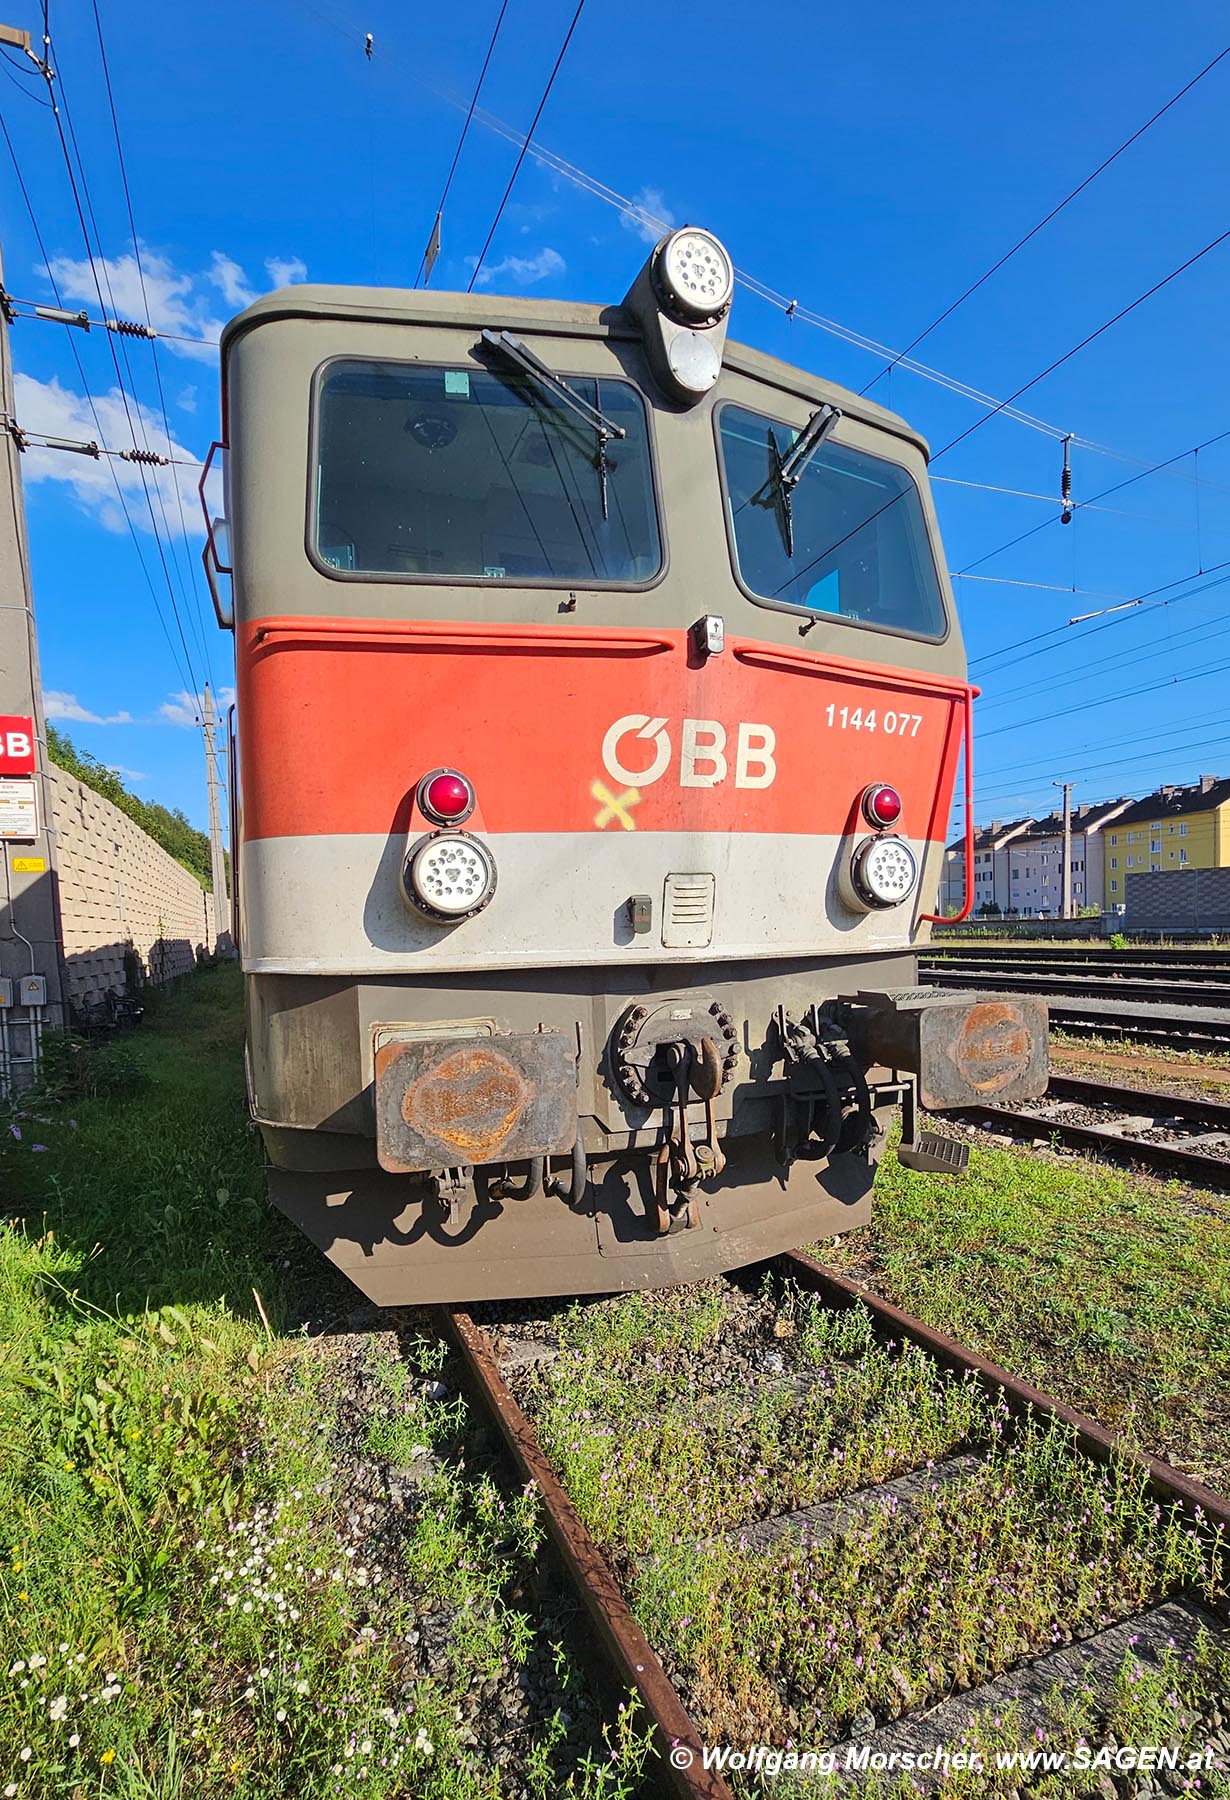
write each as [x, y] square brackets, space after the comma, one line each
[191, 1604]
[1109, 1290]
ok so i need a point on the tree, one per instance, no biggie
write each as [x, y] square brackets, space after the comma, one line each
[168, 828]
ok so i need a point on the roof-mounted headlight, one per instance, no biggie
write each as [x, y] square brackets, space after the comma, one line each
[694, 275]
[681, 302]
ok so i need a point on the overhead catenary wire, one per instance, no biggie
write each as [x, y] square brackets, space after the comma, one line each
[1080, 505]
[10, 69]
[1138, 600]
[1038, 778]
[30, 438]
[1046, 587]
[51, 76]
[641, 215]
[465, 130]
[1088, 705]
[1113, 743]
[121, 496]
[147, 459]
[82, 318]
[546, 95]
[1115, 660]
[181, 543]
[1043, 222]
[1059, 361]
[1089, 338]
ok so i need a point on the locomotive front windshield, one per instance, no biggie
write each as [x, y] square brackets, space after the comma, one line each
[849, 541]
[456, 473]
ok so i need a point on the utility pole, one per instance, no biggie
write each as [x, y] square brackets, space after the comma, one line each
[31, 981]
[1067, 787]
[217, 861]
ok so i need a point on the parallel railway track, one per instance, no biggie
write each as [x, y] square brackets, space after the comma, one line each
[1183, 999]
[1191, 1136]
[1084, 1648]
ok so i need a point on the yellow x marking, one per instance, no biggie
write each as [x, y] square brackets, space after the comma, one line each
[612, 807]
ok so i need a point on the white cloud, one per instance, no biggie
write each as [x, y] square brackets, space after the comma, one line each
[229, 278]
[186, 399]
[284, 272]
[66, 708]
[47, 409]
[130, 774]
[522, 270]
[185, 709]
[181, 307]
[652, 217]
[173, 306]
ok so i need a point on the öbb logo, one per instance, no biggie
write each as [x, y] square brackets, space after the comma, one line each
[702, 752]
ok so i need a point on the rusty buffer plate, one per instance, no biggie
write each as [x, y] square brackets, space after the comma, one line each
[449, 1102]
[985, 1050]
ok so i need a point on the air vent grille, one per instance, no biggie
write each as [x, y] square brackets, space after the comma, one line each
[687, 912]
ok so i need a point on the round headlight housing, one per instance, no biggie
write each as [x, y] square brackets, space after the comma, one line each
[449, 875]
[884, 871]
[695, 275]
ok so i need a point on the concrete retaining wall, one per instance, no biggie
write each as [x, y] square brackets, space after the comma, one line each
[118, 887]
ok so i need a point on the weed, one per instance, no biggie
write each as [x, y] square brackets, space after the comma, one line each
[191, 1602]
[1105, 1288]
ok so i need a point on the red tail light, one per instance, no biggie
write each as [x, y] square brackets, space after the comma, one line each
[881, 805]
[446, 797]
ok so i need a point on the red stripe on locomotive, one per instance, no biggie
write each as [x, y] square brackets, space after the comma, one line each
[347, 714]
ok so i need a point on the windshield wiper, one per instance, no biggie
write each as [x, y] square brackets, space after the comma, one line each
[557, 389]
[788, 469]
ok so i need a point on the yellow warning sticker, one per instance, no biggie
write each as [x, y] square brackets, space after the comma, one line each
[29, 865]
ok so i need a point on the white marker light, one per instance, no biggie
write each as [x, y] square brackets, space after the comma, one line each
[695, 274]
[884, 871]
[450, 875]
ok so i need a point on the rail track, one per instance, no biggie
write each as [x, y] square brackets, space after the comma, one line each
[1158, 1131]
[761, 1495]
[1183, 998]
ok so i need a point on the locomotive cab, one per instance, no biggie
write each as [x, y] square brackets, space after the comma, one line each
[600, 697]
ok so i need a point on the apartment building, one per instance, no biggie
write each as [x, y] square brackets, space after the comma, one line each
[1174, 828]
[990, 869]
[1035, 881]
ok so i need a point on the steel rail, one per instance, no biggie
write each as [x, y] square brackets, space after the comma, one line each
[632, 1658]
[1204, 1110]
[1115, 988]
[976, 949]
[1210, 976]
[634, 1661]
[1021, 1399]
[1169, 1159]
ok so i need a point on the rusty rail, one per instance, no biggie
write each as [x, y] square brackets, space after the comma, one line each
[635, 1663]
[1021, 1399]
[1146, 1153]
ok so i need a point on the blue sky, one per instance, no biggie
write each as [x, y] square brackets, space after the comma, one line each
[869, 162]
